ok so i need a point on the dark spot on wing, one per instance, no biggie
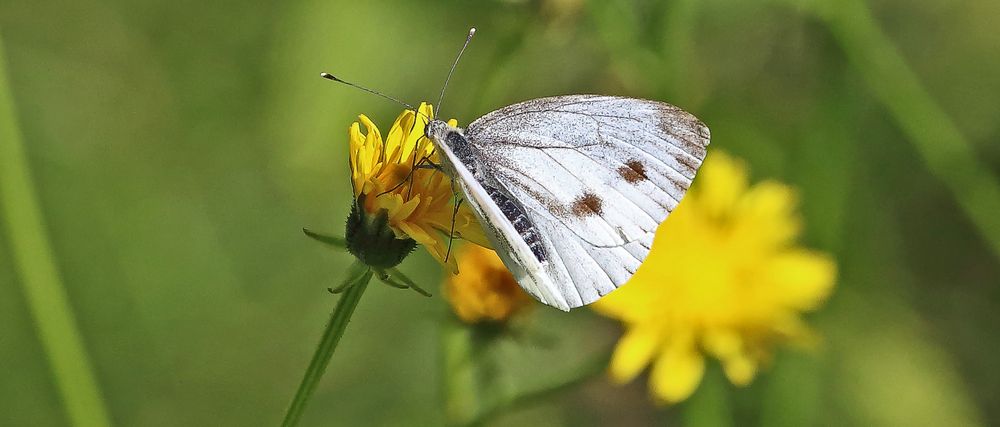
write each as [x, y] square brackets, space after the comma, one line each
[587, 204]
[633, 171]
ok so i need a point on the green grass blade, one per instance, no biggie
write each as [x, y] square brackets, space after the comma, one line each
[39, 278]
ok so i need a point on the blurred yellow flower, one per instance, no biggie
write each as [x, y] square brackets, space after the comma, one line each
[419, 202]
[484, 291]
[725, 279]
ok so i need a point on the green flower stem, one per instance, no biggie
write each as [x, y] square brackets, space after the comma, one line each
[460, 393]
[594, 368]
[39, 277]
[948, 155]
[324, 351]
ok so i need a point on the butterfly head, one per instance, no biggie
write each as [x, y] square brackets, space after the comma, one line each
[438, 130]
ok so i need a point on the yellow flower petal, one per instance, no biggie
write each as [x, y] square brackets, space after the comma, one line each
[402, 211]
[371, 132]
[485, 290]
[417, 233]
[631, 303]
[634, 351]
[740, 369]
[677, 371]
[803, 278]
[723, 343]
[723, 184]
[395, 148]
[767, 211]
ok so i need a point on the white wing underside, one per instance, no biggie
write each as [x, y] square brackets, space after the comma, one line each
[595, 175]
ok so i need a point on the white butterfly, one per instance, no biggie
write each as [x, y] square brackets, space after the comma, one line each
[570, 189]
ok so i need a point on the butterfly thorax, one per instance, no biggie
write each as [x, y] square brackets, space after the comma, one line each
[454, 139]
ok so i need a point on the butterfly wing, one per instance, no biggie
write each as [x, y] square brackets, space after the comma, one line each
[593, 176]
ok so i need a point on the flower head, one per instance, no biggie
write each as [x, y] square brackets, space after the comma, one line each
[484, 291]
[724, 279]
[417, 203]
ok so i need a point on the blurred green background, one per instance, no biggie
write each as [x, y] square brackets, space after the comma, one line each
[177, 147]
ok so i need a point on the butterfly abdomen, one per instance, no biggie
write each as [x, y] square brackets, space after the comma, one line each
[516, 215]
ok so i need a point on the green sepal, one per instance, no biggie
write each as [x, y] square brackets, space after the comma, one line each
[394, 272]
[389, 280]
[337, 242]
[355, 272]
[370, 239]
[385, 278]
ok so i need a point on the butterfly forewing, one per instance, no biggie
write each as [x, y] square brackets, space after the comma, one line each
[592, 175]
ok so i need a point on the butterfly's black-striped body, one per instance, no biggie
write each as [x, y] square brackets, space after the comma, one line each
[515, 214]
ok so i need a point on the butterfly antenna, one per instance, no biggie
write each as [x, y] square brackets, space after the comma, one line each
[332, 77]
[472, 32]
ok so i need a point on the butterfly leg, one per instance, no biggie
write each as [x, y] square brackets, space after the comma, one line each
[427, 163]
[409, 176]
[424, 163]
[454, 214]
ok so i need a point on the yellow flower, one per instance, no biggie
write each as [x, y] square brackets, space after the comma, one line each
[725, 279]
[484, 291]
[419, 202]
